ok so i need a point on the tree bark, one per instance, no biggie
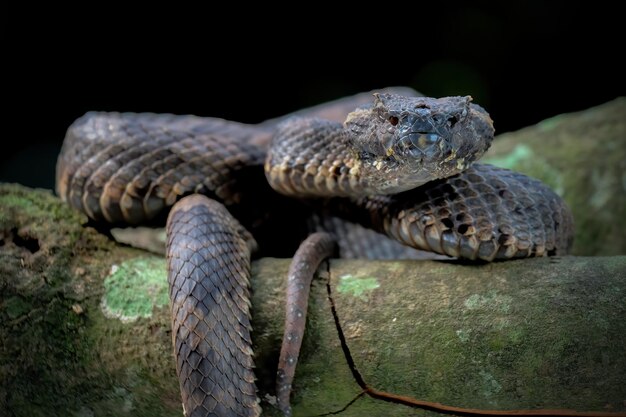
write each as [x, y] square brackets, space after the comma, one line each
[84, 327]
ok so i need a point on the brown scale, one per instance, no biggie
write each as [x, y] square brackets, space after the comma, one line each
[209, 271]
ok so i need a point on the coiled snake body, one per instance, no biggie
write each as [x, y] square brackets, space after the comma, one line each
[401, 166]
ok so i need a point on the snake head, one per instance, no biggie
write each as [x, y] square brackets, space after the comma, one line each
[412, 140]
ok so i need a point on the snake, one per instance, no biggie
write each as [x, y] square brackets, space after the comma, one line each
[372, 175]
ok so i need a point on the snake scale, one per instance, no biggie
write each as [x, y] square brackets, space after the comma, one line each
[400, 165]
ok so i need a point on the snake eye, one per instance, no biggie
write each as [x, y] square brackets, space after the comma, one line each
[393, 120]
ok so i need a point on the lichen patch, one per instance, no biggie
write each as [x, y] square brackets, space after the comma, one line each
[134, 288]
[359, 287]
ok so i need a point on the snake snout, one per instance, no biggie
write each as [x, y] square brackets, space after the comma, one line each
[420, 138]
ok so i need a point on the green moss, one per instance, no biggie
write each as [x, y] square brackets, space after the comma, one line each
[16, 307]
[135, 288]
[46, 341]
[481, 327]
[489, 386]
[63, 353]
[19, 202]
[491, 301]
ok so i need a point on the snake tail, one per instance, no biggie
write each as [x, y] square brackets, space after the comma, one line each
[307, 259]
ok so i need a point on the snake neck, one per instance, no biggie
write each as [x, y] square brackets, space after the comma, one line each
[315, 158]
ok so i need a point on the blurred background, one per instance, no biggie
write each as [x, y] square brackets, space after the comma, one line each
[523, 61]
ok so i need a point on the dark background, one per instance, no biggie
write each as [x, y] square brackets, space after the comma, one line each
[523, 62]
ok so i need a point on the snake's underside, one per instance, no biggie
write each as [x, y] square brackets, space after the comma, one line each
[402, 167]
